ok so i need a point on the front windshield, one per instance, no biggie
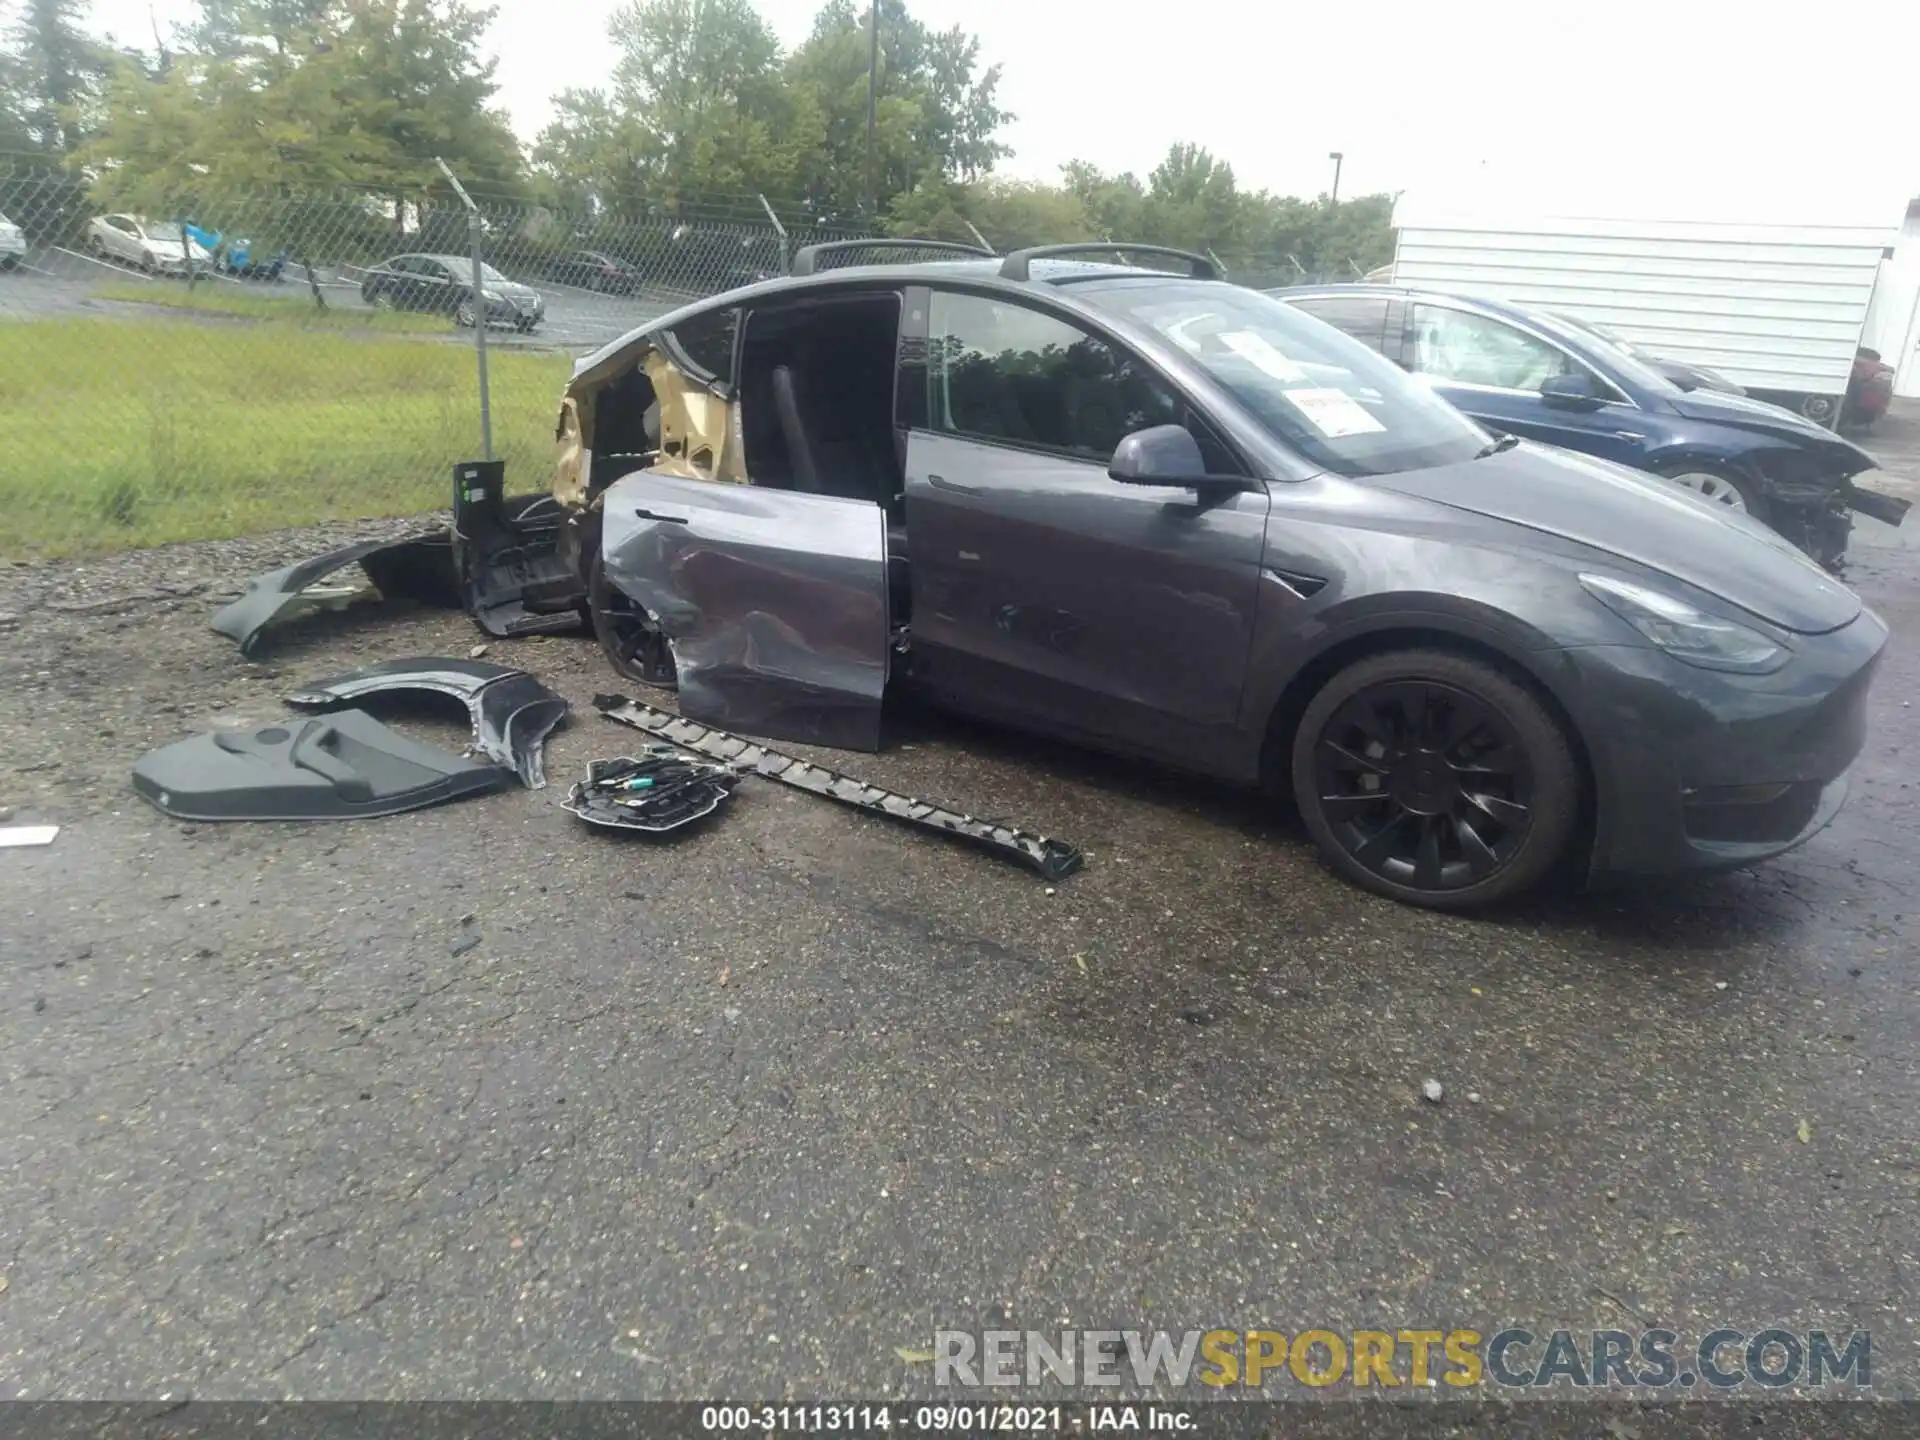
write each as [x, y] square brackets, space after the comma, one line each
[488, 275]
[1323, 393]
[169, 233]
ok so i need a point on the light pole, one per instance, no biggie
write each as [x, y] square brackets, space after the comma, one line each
[873, 93]
[1336, 157]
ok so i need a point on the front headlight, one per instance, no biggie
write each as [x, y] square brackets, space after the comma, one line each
[1687, 633]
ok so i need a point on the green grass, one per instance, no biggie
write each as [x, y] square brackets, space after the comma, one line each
[116, 434]
[286, 304]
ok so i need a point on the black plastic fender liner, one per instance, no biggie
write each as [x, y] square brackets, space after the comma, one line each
[335, 767]
[418, 568]
[511, 711]
[1054, 859]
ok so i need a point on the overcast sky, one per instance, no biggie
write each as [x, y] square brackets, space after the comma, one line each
[1789, 93]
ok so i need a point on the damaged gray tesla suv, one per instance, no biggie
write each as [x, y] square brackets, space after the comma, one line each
[1160, 514]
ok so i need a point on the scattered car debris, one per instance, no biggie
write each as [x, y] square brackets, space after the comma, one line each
[513, 578]
[13, 837]
[1054, 859]
[1433, 1091]
[342, 766]
[661, 790]
[512, 712]
[418, 568]
[463, 945]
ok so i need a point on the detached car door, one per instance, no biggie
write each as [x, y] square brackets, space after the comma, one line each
[774, 602]
[1494, 372]
[1045, 592]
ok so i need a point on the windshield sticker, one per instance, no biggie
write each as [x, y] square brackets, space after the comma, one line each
[1333, 413]
[1256, 350]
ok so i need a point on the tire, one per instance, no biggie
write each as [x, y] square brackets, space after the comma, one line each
[628, 637]
[1718, 484]
[465, 315]
[1817, 408]
[1396, 816]
[381, 300]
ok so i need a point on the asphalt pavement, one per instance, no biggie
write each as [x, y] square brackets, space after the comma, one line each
[473, 1102]
[57, 282]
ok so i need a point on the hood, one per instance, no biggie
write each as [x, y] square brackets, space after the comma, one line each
[1743, 412]
[1645, 520]
[1695, 377]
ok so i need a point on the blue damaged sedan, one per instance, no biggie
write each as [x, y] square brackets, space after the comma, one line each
[1530, 373]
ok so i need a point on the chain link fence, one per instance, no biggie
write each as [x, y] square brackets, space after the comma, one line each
[223, 362]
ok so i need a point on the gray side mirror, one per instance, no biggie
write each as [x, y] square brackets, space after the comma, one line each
[1160, 455]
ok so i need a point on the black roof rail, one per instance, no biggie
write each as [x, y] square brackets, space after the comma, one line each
[806, 260]
[1017, 265]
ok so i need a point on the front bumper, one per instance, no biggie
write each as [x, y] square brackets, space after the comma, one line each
[1699, 770]
[509, 311]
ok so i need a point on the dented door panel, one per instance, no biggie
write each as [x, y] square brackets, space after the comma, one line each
[775, 603]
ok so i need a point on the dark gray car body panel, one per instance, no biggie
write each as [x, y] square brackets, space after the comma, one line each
[1076, 599]
[775, 603]
[346, 766]
[512, 712]
[418, 567]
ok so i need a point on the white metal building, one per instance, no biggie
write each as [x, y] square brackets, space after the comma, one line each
[1769, 288]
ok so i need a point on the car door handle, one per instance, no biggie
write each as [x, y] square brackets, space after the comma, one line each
[940, 482]
[664, 519]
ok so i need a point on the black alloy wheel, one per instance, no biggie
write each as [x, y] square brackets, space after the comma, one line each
[1435, 778]
[634, 645]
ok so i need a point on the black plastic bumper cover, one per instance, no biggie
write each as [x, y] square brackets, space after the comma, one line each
[337, 767]
[419, 568]
[1054, 859]
[511, 711]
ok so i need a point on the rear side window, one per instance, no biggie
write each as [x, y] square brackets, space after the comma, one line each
[1364, 317]
[707, 340]
[1001, 371]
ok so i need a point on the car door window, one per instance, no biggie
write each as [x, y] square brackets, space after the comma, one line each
[707, 340]
[1364, 317]
[1006, 372]
[1468, 349]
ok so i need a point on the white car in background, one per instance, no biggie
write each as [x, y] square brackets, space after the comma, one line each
[152, 245]
[13, 245]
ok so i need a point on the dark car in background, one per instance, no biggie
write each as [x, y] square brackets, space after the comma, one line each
[444, 285]
[594, 270]
[1176, 518]
[1686, 376]
[1532, 374]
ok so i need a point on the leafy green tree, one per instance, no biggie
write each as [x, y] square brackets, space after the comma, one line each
[696, 110]
[52, 76]
[365, 97]
[1009, 214]
[936, 110]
